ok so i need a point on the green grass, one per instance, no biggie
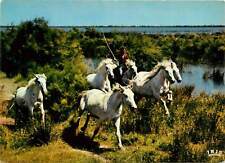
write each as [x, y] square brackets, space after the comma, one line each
[144, 149]
[59, 151]
[56, 151]
[196, 125]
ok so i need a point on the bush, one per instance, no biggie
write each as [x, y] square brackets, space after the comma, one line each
[33, 47]
[196, 123]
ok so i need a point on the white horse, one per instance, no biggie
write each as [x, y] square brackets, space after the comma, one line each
[157, 82]
[100, 80]
[105, 106]
[31, 96]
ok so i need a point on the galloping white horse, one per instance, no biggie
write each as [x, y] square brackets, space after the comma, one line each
[100, 80]
[31, 96]
[157, 82]
[106, 106]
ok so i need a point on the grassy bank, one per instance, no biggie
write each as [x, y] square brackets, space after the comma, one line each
[54, 152]
[196, 125]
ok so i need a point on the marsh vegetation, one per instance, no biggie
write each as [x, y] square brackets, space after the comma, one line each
[196, 124]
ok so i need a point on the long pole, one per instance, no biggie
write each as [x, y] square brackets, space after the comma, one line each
[114, 58]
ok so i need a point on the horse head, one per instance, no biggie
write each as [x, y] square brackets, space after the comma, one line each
[41, 82]
[176, 71]
[173, 73]
[127, 94]
[109, 67]
[168, 71]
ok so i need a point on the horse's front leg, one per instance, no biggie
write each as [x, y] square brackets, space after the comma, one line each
[118, 134]
[103, 87]
[157, 96]
[170, 96]
[31, 110]
[42, 114]
[165, 106]
[107, 86]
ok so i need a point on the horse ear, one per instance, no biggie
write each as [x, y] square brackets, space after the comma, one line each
[162, 64]
[36, 76]
[44, 76]
[130, 86]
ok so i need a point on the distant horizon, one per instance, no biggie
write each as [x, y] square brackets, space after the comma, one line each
[124, 26]
[140, 29]
[115, 12]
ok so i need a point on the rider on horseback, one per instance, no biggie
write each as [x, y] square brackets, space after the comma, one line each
[121, 68]
[123, 56]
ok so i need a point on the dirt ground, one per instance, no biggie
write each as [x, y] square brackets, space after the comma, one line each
[7, 88]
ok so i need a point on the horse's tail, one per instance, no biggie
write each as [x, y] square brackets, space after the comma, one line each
[77, 104]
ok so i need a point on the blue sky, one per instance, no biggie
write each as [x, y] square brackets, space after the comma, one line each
[114, 12]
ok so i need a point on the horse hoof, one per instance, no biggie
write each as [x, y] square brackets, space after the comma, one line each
[121, 148]
[168, 114]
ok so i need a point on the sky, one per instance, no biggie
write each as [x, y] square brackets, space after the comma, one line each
[114, 12]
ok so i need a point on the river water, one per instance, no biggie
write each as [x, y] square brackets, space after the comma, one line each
[144, 29]
[193, 75]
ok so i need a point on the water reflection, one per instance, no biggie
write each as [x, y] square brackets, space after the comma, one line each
[196, 75]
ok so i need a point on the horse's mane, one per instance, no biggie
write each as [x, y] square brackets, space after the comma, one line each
[162, 64]
[103, 62]
[165, 63]
[31, 82]
[157, 68]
